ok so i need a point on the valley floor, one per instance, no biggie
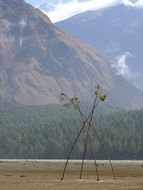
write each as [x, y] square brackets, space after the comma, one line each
[46, 176]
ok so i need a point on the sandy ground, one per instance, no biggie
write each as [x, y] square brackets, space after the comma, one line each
[46, 176]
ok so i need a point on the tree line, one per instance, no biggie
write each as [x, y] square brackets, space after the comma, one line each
[47, 132]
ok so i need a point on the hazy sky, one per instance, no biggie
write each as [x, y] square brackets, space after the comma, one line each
[38, 2]
[67, 8]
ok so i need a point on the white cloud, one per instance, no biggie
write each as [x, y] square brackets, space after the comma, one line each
[139, 4]
[128, 3]
[65, 10]
[121, 65]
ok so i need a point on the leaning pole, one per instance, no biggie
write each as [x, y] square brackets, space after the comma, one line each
[88, 128]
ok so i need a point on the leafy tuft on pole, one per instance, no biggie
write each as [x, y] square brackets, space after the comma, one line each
[87, 125]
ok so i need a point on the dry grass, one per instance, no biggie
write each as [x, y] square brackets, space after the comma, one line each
[46, 176]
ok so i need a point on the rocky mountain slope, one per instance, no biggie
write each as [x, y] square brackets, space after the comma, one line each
[38, 60]
[115, 31]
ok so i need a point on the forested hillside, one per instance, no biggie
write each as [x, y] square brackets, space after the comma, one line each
[49, 131]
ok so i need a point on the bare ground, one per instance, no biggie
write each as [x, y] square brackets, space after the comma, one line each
[46, 176]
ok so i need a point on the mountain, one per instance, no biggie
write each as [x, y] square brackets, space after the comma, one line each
[38, 60]
[118, 33]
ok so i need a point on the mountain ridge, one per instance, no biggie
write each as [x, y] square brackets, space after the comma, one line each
[116, 32]
[38, 60]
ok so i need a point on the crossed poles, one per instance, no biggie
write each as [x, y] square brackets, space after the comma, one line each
[87, 125]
